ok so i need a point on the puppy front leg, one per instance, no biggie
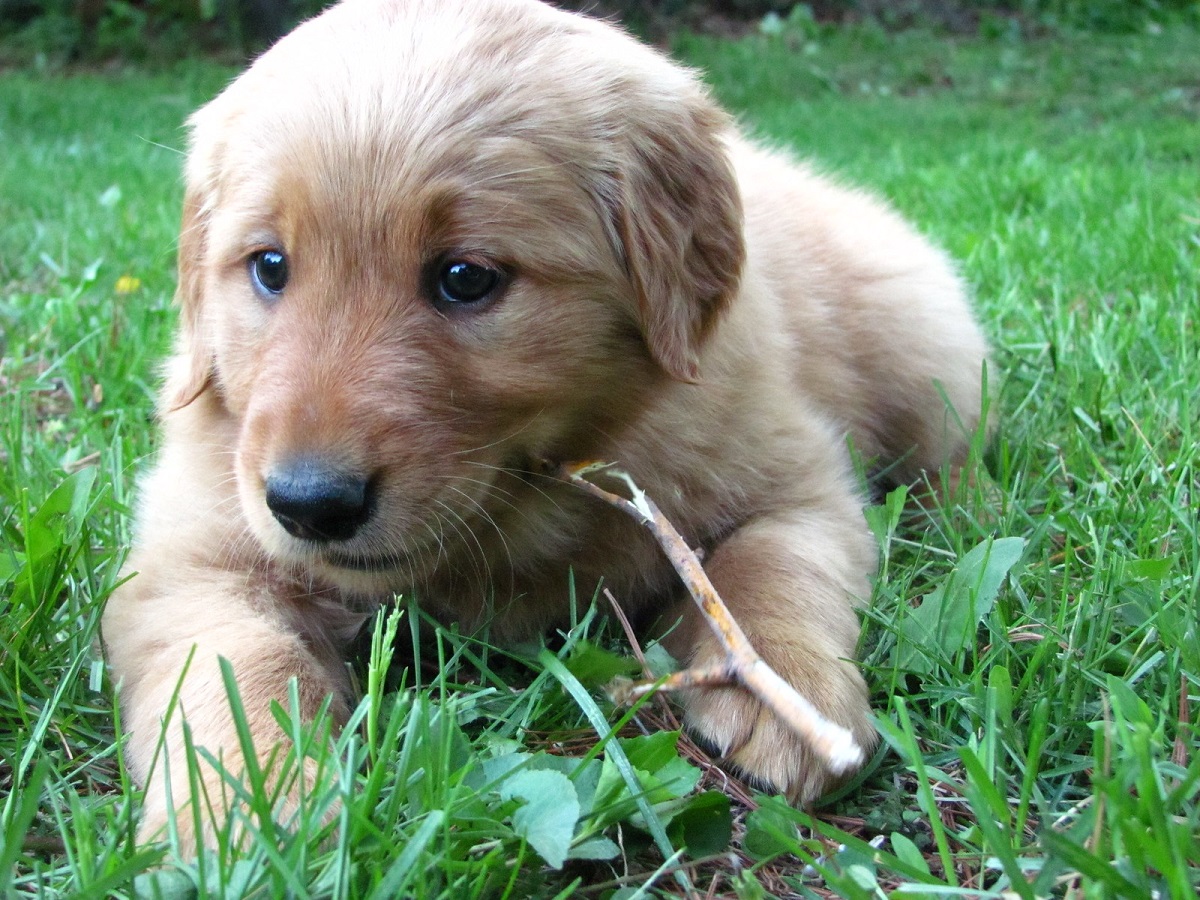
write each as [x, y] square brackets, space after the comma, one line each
[151, 627]
[791, 581]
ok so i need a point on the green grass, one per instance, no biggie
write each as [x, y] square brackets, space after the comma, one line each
[1032, 644]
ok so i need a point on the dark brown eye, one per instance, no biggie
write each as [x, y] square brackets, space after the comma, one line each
[269, 272]
[460, 282]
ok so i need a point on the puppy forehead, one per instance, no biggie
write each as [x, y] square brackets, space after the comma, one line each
[414, 71]
[436, 116]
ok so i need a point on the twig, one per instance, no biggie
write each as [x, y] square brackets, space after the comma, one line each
[618, 692]
[743, 666]
[634, 645]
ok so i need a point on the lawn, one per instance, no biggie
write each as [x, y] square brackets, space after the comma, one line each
[1032, 644]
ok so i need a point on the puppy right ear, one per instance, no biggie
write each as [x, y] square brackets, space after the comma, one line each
[190, 371]
[679, 220]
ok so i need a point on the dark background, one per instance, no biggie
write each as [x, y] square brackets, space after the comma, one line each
[89, 32]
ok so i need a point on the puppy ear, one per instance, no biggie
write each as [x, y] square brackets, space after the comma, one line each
[680, 225]
[191, 368]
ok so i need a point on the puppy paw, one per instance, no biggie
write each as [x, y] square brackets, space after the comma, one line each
[749, 739]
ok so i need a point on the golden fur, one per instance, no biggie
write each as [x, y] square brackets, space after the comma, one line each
[712, 316]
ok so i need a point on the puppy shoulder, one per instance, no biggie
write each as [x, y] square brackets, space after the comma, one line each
[792, 198]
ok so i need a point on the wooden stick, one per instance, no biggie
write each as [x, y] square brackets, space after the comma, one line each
[743, 666]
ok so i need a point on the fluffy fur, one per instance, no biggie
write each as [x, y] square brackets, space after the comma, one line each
[712, 316]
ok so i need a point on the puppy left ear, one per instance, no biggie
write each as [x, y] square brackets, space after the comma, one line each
[679, 220]
[191, 370]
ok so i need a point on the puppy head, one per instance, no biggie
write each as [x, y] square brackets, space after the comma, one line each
[426, 243]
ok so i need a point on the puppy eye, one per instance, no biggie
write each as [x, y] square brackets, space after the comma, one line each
[269, 272]
[459, 281]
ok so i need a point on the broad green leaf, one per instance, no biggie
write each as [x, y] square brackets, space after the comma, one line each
[883, 519]
[704, 826]
[655, 753]
[10, 564]
[662, 772]
[659, 661]
[549, 815]
[1127, 705]
[585, 775]
[907, 852]
[948, 617]
[747, 887]
[595, 848]
[165, 884]
[492, 771]
[596, 667]
[1151, 569]
[769, 833]
[60, 518]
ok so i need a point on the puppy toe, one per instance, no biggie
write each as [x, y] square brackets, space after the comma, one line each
[750, 740]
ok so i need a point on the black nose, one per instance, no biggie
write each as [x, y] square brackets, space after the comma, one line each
[315, 501]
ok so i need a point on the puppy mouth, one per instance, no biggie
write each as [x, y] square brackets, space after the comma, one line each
[361, 562]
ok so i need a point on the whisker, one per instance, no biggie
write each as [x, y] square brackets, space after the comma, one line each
[477, 555]
[501, 440]
[486, 517]
[526, 477]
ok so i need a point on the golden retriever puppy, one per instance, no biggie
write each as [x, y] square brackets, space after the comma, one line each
[428, 245]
